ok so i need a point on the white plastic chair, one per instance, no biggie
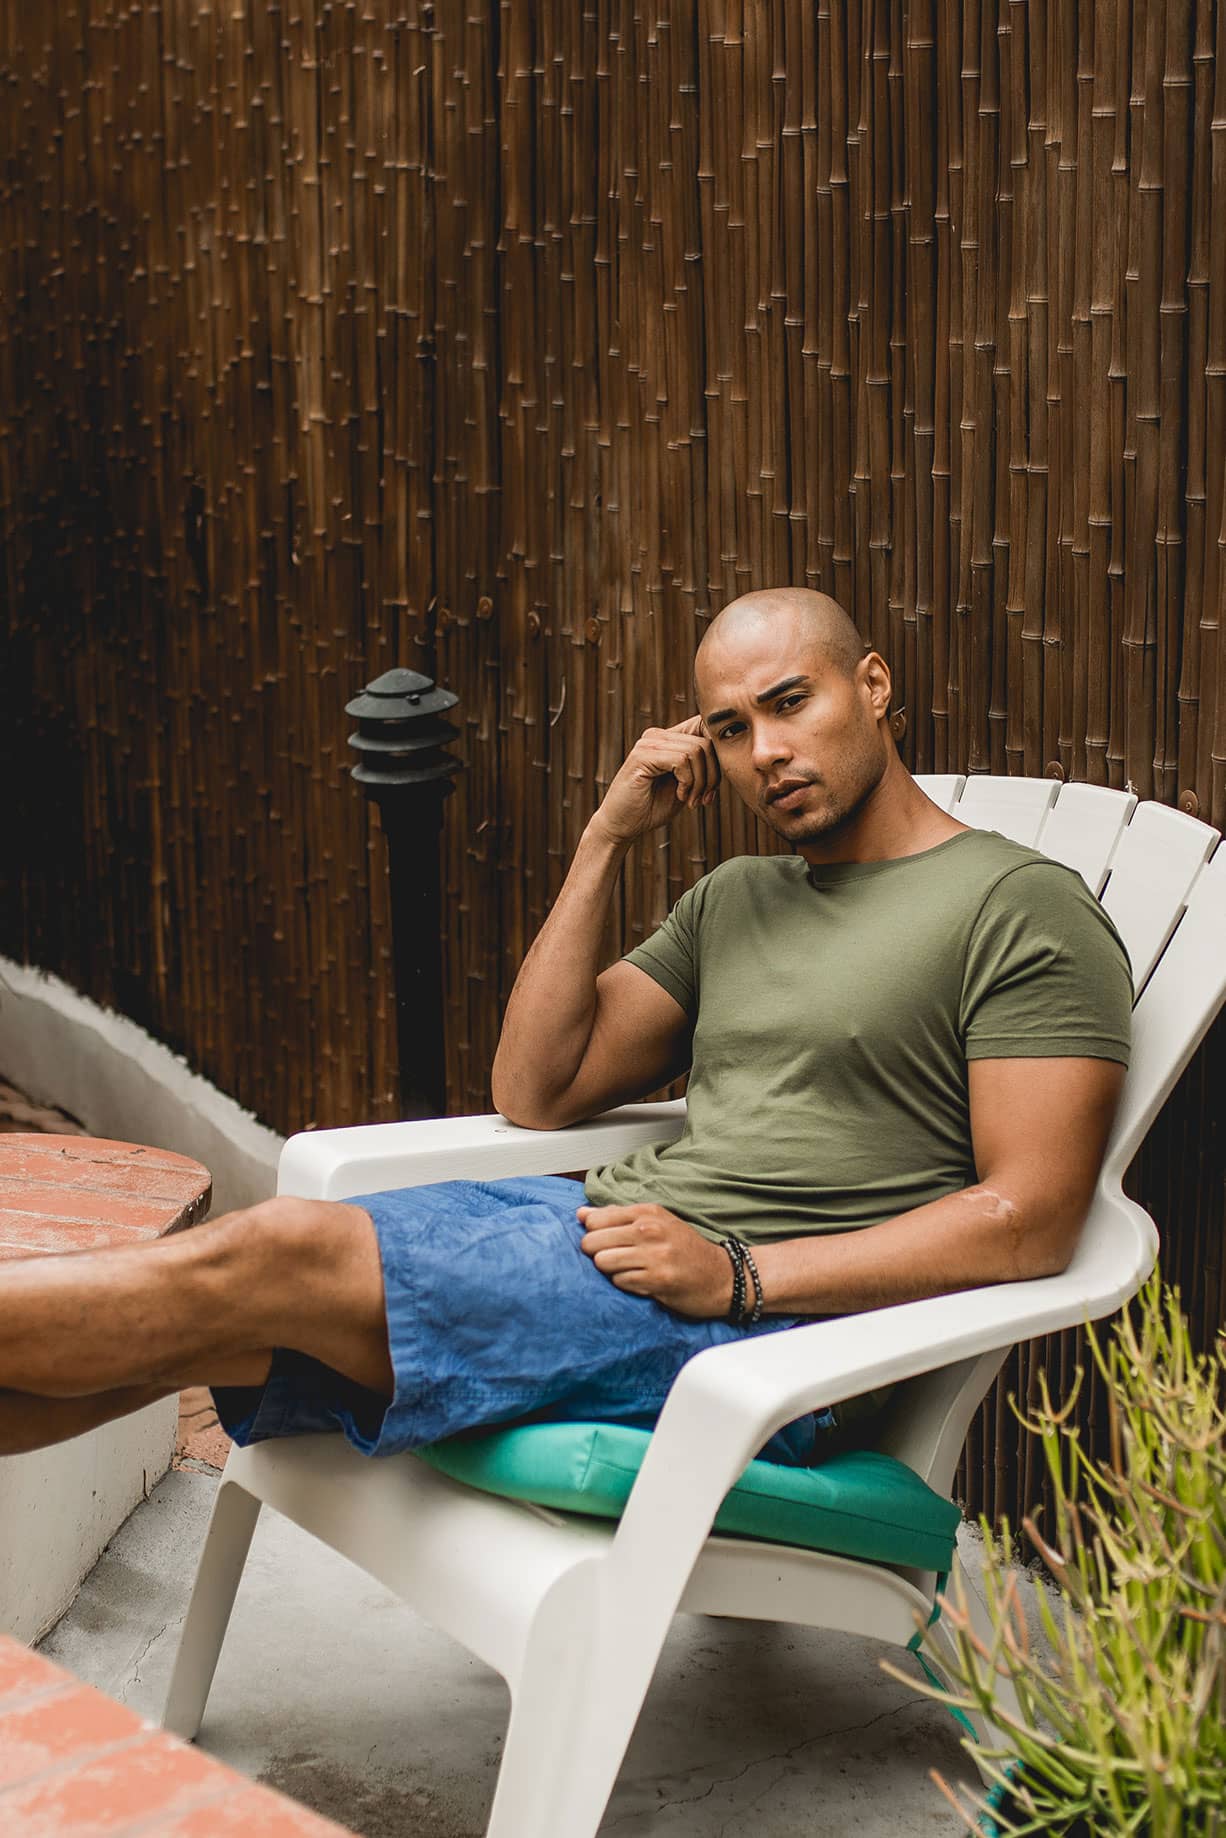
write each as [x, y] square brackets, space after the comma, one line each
[544, 1598]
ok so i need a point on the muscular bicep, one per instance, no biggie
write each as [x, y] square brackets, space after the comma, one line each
[640, 1040]
[1039, 1129]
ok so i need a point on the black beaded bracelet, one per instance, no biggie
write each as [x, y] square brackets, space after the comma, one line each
[741, 1314]
[748, 1256]
[736, 1311]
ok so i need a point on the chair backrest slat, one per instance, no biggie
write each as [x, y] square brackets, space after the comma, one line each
[944, 788]
[1083, 829]
[1158, 858]
[1180, 1000]
[1016, 808]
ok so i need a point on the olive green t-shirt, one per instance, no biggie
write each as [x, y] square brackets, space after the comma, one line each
[834, 1013]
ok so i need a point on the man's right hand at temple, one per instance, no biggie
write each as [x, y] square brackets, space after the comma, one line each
[667, 770]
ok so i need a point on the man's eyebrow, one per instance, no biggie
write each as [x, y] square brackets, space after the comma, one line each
[768, 695]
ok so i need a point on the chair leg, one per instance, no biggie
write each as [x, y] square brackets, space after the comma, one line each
[981, 1626]
[226, 1544]
[943, 1651]
[939, 1652]
[573, 1711]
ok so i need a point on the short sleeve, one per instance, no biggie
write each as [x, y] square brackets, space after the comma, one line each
[1045, 972]
[670, 955]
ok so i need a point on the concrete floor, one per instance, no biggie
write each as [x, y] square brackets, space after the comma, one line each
[332, 1691]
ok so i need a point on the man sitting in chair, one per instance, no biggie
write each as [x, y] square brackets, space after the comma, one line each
[905, 1043]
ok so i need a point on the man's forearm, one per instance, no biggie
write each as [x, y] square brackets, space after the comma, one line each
[975, 1237]
[549, 1017]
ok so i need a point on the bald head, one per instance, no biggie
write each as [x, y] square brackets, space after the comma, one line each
[812, 619]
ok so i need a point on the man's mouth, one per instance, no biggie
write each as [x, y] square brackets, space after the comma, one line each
[787, 793]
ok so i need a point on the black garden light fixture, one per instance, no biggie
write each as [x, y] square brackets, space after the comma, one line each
[405, 768]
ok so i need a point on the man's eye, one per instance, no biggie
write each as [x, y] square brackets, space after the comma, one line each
[785, 700]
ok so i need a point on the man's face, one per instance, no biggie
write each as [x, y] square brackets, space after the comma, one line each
[803, 744]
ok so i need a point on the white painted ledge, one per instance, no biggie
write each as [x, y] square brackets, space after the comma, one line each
[60, 1048]
[60, 1508]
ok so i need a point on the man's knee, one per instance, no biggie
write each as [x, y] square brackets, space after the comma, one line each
[304, 1249]
[306, 1233]
[316, 1265]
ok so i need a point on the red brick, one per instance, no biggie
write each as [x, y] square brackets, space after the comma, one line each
[70, 1721]
[22, 1673]
[73, 1193]
[148, 1776]
[73, 1764]
[84, 1206]
[35, 1232]
[200, 1436]
[96, 1172]
[99, 1149]
[119, 1183]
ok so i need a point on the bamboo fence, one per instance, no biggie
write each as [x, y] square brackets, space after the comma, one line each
[509, 342]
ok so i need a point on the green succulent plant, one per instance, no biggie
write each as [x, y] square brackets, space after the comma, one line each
[1122, 1724]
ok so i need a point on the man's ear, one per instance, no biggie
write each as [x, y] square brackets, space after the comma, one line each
[875, 675]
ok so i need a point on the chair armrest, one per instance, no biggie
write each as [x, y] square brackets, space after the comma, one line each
[769, 1379]
[369, 1158]
[729, 1400]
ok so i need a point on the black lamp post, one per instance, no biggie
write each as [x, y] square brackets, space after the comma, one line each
[403, 765]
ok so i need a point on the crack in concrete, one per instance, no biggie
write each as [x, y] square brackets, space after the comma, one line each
[742, 1812]
[758, 1761]
[139, 1661]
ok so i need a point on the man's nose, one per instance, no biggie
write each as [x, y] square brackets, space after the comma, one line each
[770, 748]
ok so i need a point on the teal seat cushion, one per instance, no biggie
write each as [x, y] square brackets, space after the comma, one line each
[858, 1503]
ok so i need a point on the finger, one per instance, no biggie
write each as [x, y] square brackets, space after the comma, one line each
[705, 766]
[689, 771]
[596, 1218]
[623, 1236]
[687, 757]
[712, 758]
[694, 728]
[634, 1282]
[693, 773]
[605, 1236]
[714, 773]
[619, 1259]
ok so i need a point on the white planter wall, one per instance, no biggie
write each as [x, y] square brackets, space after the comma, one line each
[60, 1048]
[60, 1507]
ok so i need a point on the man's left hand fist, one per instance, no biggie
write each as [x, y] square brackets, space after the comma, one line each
[650, 1252]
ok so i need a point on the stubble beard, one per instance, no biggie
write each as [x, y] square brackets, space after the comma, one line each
[841, 811]
[821, 829]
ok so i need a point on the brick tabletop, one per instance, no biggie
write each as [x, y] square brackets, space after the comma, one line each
[77, 1193]
[73, 1764]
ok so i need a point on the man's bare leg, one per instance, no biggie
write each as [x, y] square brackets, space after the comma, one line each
[30, 1422]
[200, 1308]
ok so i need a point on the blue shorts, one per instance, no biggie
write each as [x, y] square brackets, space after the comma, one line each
[494, 1315]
